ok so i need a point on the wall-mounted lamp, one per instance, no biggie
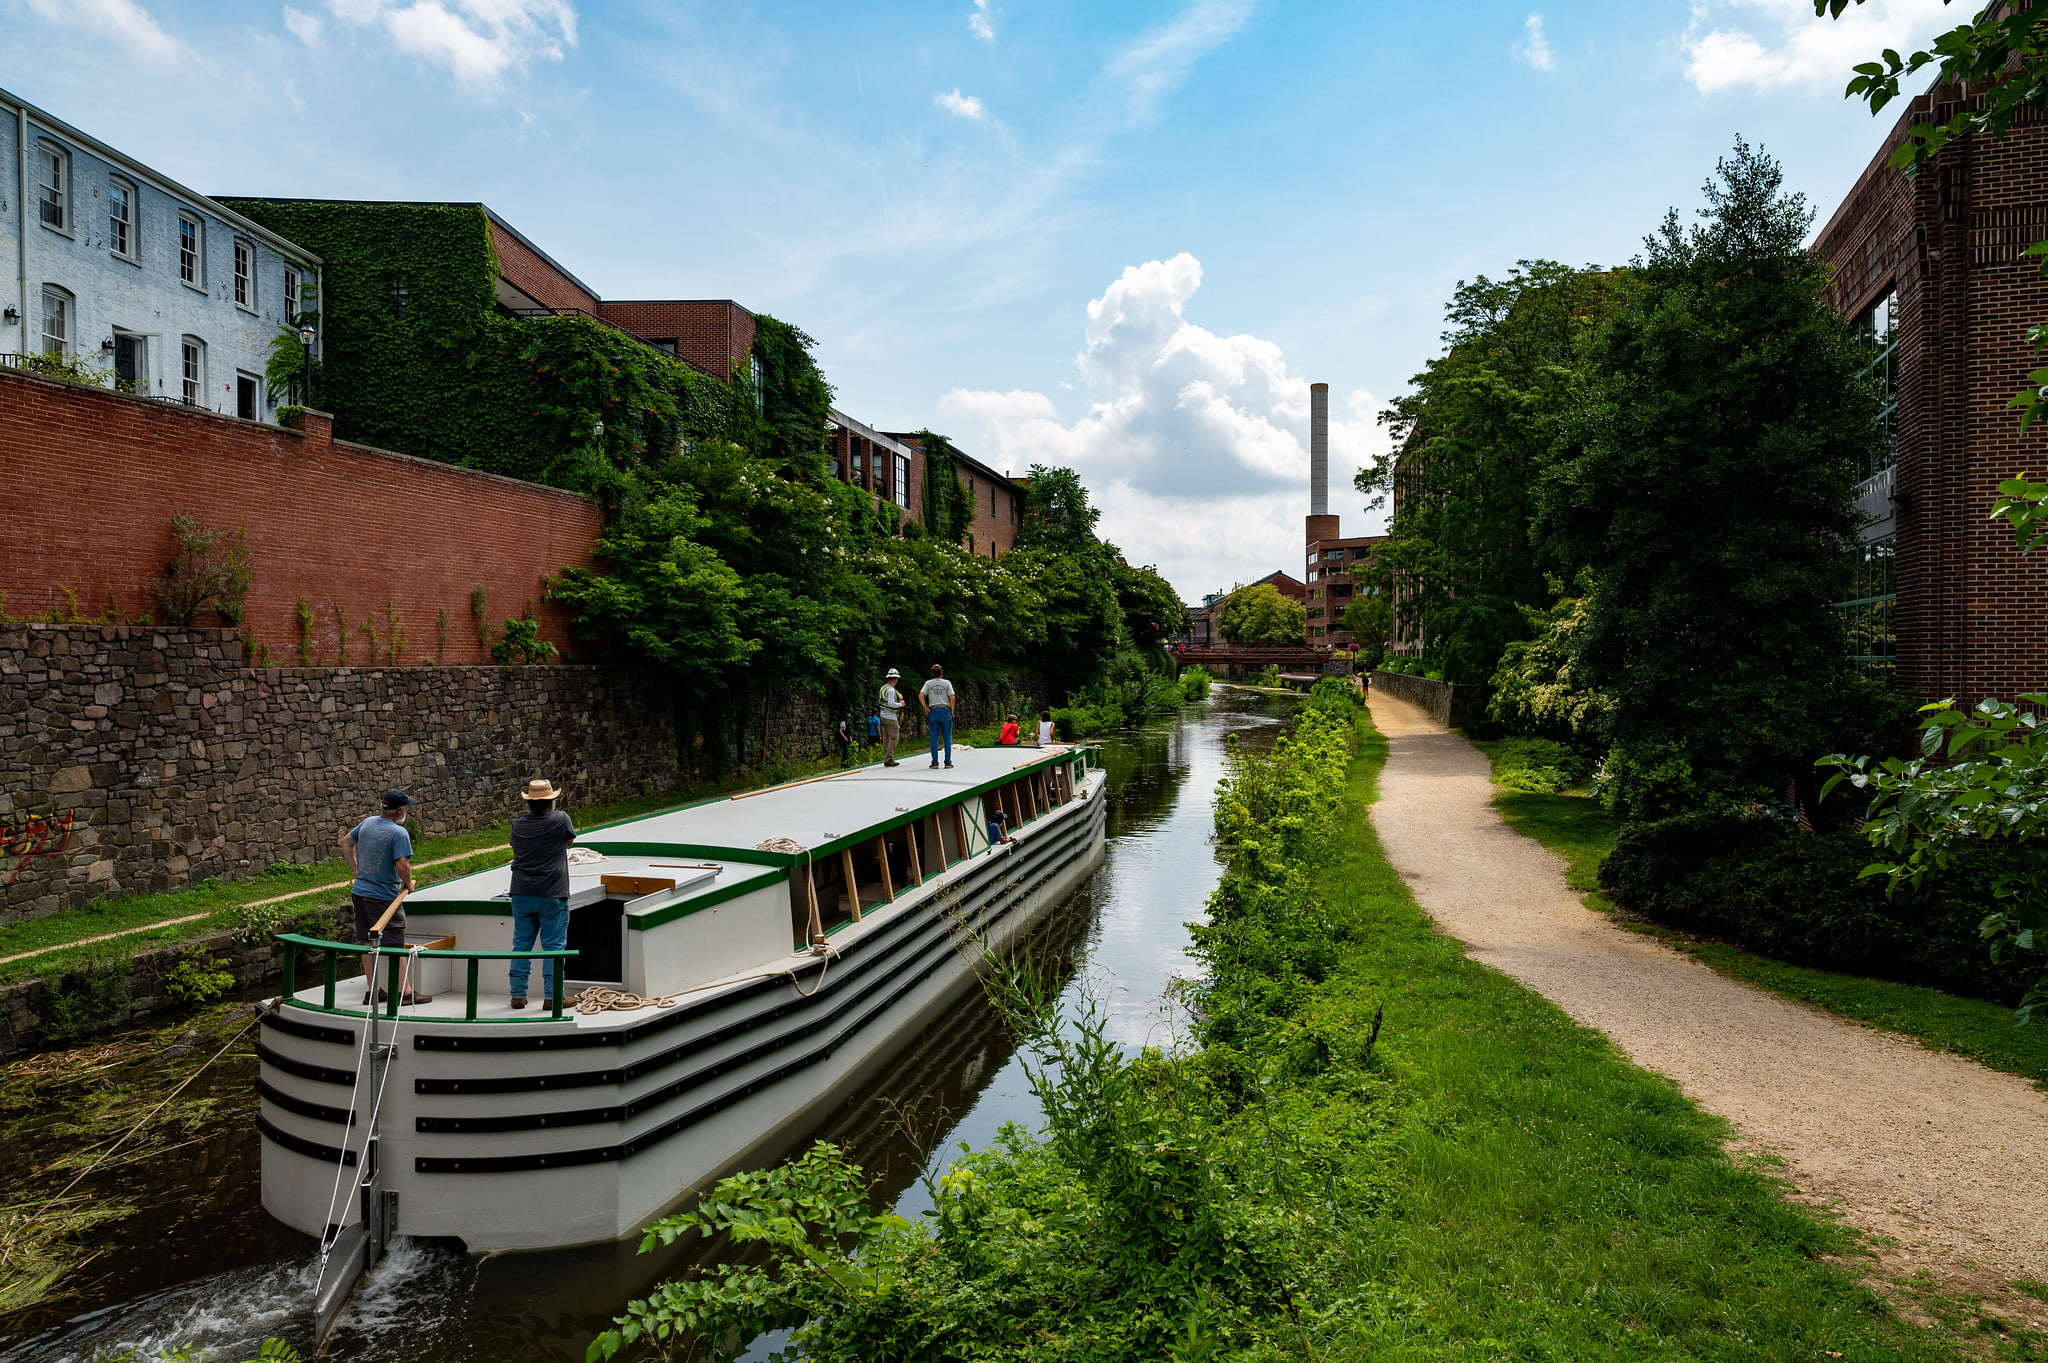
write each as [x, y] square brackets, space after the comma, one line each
[11, 316]
[597, 430]
[107, 344]
[306, 337]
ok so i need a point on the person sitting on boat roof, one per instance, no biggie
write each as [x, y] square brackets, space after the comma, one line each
[540, 885]
[1008, 737]
[998, 830]
[379, 852]
[1045, 728]
[937, 698]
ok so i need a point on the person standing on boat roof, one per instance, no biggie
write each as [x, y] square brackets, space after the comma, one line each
[937, 698]
[890, 703]
[379, 852]
[540, 886]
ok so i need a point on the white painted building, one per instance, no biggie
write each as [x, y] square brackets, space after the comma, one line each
[125, 270]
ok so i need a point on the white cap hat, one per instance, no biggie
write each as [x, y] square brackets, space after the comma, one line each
[894, 675]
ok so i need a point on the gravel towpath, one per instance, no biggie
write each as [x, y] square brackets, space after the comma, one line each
[1945, 1158]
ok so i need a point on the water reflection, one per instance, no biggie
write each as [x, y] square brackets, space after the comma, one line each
[223, 1276]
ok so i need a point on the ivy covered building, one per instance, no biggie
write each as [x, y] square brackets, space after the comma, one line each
[1931, 268]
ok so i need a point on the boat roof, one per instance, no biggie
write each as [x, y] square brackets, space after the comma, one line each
[818, 815]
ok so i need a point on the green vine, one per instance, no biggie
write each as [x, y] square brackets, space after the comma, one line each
[948, 508]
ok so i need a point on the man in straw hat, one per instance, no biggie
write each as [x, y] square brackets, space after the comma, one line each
[889, 706]
[540, 885]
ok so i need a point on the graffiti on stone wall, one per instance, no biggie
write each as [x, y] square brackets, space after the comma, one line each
[35, 836]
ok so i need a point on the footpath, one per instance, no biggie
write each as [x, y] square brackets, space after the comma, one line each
[1944, 1160]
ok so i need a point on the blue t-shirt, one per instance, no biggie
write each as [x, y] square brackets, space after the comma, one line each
[379, 844]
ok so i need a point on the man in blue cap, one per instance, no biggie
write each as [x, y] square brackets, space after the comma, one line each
[379, 851]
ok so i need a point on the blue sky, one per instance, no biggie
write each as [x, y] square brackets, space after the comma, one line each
[1120, 236]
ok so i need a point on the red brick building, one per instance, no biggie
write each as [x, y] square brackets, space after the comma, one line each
[1930, 267]
[1335, 567]
[1205, 622]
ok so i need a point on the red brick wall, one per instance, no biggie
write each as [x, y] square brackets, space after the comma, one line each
[96, 477]
[1971, 609]
[713, 335]
[526, 271]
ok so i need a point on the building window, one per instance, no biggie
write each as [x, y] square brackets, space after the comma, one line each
[192, 359]
[1870, 612]
[666, 347]
[121, 218]
[189, 257]
[53, 175]
[902, 482]
[131, 363]
[291, 295]
[245, 396]
[1878, 331]
[245, 273]
[56, 320]
[760, 386]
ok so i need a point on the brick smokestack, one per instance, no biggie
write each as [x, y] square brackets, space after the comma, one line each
[1319, 449]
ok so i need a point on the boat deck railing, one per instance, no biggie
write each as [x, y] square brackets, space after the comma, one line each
[332, 952]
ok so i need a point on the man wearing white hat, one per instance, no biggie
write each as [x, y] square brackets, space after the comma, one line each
[540, 885]
[890, 709]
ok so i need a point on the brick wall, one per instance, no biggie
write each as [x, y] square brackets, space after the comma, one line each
[714, 335]
[141, 759]
[533, 275]
[98, 475]
[1949, 240]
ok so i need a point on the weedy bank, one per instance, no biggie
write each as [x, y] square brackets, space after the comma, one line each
[1365, 1146]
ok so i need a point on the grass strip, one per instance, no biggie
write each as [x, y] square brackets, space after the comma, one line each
[223, 903]
[1576, 828]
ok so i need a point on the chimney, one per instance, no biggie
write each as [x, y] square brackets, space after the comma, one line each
[1319, 449]
[1320, 525]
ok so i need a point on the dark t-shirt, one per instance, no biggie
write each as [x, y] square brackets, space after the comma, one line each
[540, 854]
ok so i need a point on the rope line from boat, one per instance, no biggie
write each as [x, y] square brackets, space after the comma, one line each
[329, 1237]
[151, 1114]
[789, 847]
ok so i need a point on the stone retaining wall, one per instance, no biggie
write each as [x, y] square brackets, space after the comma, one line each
[1433, 697]
[137, 759]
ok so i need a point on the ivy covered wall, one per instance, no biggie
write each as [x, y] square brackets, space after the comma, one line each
[417, 358]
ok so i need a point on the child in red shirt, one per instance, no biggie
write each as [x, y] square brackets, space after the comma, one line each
[1008, 737]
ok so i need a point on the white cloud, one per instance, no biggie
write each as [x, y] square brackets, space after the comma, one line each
[307, 28]
[1196, 443]
[124, 21]
[1779, 44]
[478, 41]
[966, 106]
[981, 23]
[1535, 47]
[1155, 66]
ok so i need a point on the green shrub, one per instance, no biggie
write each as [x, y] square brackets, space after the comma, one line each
[1752, 877]
[89, 998]
[1539, 764]
[196, 978]
[1195, 682]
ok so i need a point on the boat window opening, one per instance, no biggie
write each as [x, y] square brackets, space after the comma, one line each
[953, 834]
[905, 839]
[597, 934]
[864, 871]
[932, 844]
[828, 877]
[888, 874]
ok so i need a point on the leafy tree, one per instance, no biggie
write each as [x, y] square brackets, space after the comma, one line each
[1709, 488]
[1370, 621]
[665, 594]
[2001, 58]
[1259, 614]
[1057, 512]
[1472, 441]
[1152, 609]
[1083, 619]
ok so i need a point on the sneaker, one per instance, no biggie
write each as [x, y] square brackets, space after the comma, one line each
[949, 766]
[935, 766]
[519, 1003]
[412, 999]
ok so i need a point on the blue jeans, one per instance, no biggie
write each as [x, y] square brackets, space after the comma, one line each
[940, 723]
[549, 920]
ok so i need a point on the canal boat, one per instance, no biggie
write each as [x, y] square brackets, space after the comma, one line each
[780, 947]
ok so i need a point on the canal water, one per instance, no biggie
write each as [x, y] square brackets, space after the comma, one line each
[208, 1271]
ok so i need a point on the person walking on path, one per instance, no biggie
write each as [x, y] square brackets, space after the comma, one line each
[890, 708]
[937, 698]
[379, 852]
[540, 886]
